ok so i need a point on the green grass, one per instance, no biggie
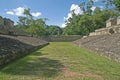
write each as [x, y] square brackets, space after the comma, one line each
[62, 61]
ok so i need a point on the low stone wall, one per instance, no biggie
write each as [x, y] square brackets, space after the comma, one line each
[14, 47]
[106, 31]
[62, 38]
[118, 20]
[102, 31]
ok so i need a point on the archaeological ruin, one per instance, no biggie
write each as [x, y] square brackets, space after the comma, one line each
[6, 25]
[112, 26]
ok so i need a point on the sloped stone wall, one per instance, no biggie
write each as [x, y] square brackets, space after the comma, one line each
[14, 47]
[105, 41]
[105, 45]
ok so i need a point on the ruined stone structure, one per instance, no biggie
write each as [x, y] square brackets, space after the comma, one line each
[118, 20]
[110, 22]
[112, 26]
[1, 21]
[6, 25]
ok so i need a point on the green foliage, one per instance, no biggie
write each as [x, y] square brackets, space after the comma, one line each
[35, 27]
[35, 30]
[117, 4]
[53, 30]
[89, 21]
[112, 2]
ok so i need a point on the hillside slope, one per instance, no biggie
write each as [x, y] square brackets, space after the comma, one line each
[108, 45]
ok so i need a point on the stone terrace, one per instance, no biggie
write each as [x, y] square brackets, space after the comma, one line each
[107, 45]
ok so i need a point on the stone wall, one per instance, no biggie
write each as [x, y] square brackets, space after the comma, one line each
[112, 26]
[19, 46]
[118, 20]
[6, 25]
[62, 38]
[102, 31]
[1, 21]
[111, 22]
[106, 45]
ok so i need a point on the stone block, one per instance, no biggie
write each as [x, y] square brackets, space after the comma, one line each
[8, 23]
[118, 20]
[1, 21]
[111, 22]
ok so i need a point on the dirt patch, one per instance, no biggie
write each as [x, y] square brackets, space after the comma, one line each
[70, 74]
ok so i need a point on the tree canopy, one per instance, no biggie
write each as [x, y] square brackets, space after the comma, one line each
[90, 20]
[80, 24]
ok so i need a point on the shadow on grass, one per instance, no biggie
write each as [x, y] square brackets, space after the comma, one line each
[34, 65]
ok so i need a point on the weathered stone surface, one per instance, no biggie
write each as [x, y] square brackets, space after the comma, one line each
[14, 47]
[107, 45]
[118, 20]
[111, 22]
[8, 23]
[1, 21]
[112, 26]
[102, 31]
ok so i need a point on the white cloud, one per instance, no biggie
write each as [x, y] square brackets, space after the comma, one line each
[68, 16]
[93, 8]
[36, 14]
[20, 12]
[63, 25]
[96, 0]
[77, 10]
[10, 12]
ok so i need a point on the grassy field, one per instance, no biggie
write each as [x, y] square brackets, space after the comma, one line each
[61, 61]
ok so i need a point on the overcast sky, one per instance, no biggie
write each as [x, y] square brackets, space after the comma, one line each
[55, 10]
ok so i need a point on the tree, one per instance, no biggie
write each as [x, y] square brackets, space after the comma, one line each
[82, 6]
[117, 4]
[112, 2]
[89, 6]
[35, 27]
[53, 30]
[89, 21]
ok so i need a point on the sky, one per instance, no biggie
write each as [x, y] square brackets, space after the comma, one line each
[57, 11]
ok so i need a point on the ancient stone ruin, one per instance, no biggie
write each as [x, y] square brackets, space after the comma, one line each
[112, 26]
[6, 25]
[104, 41]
